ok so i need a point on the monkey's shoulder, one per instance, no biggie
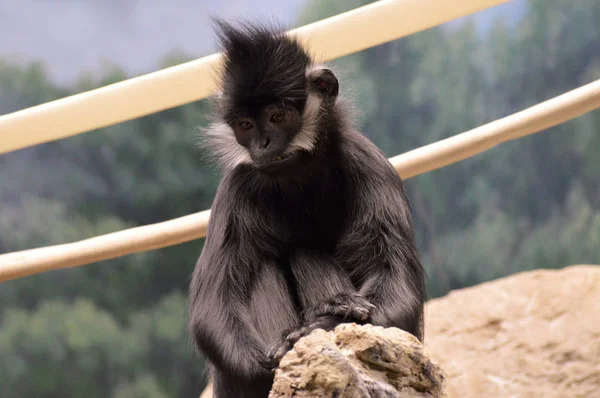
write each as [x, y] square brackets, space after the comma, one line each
[236, 182]
[366, 162]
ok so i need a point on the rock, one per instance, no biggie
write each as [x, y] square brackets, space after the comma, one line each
[358, 361]
[533, 334]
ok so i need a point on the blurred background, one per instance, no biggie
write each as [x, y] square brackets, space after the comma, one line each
[117, 328]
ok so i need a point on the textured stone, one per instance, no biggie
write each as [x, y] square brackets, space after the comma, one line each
[357, 362]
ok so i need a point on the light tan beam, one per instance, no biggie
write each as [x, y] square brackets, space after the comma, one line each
[430, 157]
[330, 38]
[103, 247]
[539, 117]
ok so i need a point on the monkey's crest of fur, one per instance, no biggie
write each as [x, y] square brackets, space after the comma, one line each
[261, 65]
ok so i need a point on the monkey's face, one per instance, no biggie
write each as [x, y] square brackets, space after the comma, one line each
[278, 136]
[267, 132]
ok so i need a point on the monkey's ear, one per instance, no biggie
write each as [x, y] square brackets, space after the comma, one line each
[324, 82]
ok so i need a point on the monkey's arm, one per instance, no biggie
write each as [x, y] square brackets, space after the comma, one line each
[379, 246]
[219, 316]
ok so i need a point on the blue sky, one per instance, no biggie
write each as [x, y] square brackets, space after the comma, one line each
[76, 36]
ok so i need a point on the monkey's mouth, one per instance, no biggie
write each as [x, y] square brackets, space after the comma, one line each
[279, 162]
[280, 158]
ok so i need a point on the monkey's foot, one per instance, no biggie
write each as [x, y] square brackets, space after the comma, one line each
[278, 350]
[350, 307]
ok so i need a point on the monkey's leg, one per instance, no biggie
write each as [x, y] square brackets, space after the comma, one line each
[327, 296]
[398, 298]
[324, 289]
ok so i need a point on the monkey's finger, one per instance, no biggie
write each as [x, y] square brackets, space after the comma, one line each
[293, 337]
[361, 314]
[363, 302]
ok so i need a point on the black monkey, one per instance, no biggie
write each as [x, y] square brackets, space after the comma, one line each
[310, 226]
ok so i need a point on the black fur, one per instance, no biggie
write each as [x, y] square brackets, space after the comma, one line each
[330, 242]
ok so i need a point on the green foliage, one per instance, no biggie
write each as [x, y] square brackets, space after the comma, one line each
[81, 349]
[118, 328]
[143, 387]
[61, 347]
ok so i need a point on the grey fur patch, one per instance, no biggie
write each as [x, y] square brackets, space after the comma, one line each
[219, 138]
[307, 137]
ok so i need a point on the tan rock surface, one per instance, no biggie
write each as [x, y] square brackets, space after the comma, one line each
[533, 334]
[358, 361]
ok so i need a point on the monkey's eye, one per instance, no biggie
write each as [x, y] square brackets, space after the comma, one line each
[245, 125]
[277, 117]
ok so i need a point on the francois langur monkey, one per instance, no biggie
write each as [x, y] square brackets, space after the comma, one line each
[310, 225]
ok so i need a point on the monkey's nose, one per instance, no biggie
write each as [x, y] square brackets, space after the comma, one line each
[264, 143]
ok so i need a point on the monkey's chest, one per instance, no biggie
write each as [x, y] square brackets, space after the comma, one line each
[311, 217]
[311, 226]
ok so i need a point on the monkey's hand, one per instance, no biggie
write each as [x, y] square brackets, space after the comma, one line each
[326, 315]
[351, 307]
[290, 338]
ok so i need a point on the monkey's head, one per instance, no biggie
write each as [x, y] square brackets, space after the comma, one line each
[271, 99]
